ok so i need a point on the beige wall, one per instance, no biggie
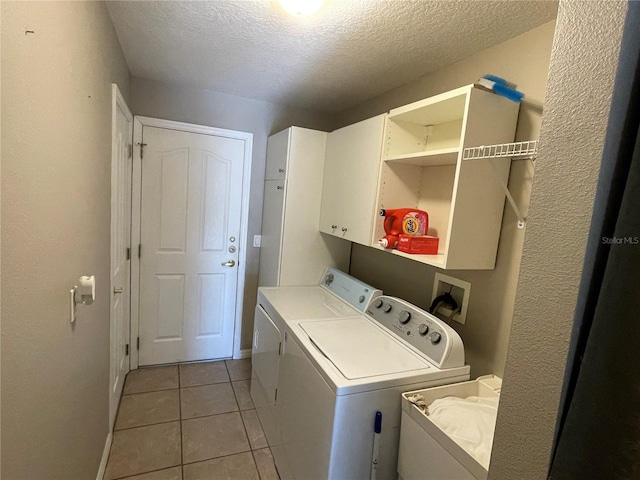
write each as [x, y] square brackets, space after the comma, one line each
[56, 164]
[204, 107]
[581, 77]
[525, 61]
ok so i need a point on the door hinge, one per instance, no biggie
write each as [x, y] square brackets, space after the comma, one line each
[276, 397]
[138, 343]
[279, 348]
[126, 349]
[139, 250]
[128, 253]
[142, 145]
[130, 149]
[285, 336]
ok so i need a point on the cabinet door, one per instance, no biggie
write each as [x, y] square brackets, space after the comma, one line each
[277, 155]
[265, 354]
[272, 222]
[351, 178]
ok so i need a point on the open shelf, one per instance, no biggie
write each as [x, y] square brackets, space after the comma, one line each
[433, 260]
[443, 108]
[422, 167]
[442, 156]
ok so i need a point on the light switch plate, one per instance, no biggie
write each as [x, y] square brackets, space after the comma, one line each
[257, 240]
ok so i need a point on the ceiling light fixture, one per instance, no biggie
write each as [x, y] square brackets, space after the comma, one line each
[301, 8]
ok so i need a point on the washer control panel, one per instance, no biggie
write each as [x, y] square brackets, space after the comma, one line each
[423, 331]
[356, 293]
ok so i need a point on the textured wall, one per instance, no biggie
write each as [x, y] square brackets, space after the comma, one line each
[56, 165]
[203, 107]
[581, 76]
[525, 61]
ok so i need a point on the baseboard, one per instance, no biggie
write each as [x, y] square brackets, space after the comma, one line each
[246, 353]
[105, 457]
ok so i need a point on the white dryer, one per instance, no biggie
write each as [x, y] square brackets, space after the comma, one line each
[338, 295]
[335, 374]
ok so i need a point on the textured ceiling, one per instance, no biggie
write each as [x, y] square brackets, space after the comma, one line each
[346, 53]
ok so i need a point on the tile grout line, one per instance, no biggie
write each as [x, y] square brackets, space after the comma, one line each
[253, 457]
[146, 391]
[145, 473]
[145, 425]
[180, 423]
[256, 463]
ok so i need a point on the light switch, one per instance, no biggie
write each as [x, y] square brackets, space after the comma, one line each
[257, 240]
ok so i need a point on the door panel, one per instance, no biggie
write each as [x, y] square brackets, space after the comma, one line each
[190, 220]
[174, 171]
[121, 165]
[272, 223]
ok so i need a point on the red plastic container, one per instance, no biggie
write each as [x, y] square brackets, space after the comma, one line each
[424, 245]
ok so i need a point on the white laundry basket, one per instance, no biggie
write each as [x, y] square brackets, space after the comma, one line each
[426, 451]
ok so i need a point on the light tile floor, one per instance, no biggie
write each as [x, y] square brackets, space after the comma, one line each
[189, 422]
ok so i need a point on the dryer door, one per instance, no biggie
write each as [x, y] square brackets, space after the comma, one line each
[265, 354]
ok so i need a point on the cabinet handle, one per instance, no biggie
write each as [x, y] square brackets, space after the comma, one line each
[281, 170]
[334, 227]
[344, 229]
[279, 187]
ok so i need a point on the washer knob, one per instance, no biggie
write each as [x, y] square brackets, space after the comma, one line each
[423, 329]
[387, 308]
[435, 338]
[378, 303]
[405, 317]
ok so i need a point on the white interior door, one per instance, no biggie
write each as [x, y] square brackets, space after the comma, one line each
[120, 291]
[190, 225]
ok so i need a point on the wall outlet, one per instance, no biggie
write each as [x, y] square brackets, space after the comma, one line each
[257, 240]
[460, 291]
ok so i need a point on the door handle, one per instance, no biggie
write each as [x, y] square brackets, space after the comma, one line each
[117, 290]
[229, 263]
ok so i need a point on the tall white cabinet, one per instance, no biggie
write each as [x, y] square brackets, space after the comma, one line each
[293, 251]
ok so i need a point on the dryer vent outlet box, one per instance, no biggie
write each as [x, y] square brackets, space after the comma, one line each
[459, 290]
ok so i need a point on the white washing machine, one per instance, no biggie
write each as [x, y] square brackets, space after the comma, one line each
[338, 295]
[336, 374]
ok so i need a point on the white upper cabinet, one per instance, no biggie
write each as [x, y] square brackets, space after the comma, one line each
[277, 155]
[422, 167]
[351, 170]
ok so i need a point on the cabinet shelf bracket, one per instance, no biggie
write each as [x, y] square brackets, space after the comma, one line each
[527, 150]
[521, 218]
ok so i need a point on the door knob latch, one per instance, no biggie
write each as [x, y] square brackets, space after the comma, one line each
[117, 290]
[229, 263]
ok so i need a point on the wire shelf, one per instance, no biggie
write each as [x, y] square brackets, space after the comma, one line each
[527, 149]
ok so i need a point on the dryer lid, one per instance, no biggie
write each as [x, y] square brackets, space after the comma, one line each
[359, 349]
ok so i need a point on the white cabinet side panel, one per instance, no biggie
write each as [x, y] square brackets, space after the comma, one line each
[305, 251]
[478, 197]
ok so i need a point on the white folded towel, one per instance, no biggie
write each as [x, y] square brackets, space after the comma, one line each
[470, 422]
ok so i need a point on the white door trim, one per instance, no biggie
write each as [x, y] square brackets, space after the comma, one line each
[118, 103]
[138, 123]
